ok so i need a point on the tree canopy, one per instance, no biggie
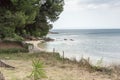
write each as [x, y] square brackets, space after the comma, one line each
[21, 18]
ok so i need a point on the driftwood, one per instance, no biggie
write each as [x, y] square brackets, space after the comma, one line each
[2, 64]
[1, 76]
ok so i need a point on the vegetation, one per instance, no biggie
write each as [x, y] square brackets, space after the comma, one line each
[24, 18]
[38, 72]
[53, 59]
[13, 47]
[13, 50]
[54, 67]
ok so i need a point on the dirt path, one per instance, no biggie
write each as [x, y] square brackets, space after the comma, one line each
[35, 47]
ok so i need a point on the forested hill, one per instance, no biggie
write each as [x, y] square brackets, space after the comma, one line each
[22, 18]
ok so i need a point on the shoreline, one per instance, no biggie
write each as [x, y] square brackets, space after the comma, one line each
[37, 48]
[34, 46]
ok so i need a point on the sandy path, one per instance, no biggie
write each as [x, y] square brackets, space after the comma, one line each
[35, 46]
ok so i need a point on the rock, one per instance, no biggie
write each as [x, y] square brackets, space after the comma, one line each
[71, 39]
[48, 39]
[39, 38]
[30, 38]
[65, 39]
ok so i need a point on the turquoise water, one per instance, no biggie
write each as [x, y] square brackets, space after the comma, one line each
[93, 43]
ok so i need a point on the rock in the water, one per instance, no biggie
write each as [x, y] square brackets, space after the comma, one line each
[48, 39]
[65, 39]
[71, 39]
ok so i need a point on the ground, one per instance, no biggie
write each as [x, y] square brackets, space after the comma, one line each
[54, 68]
[24, 68]
[35, 47]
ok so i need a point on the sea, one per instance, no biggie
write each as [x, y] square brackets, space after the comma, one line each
[96, 44]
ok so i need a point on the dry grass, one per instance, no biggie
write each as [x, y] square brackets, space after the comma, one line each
[55, 68]
[116, 72]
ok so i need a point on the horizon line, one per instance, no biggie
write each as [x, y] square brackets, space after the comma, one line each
[84, 28]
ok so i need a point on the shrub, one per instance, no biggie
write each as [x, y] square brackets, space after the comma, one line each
[13, 47]
[38, 71]
[13, 50]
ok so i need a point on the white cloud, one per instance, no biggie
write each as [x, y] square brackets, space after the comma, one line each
[98, 1]
[71, 5]
[97, 4]
[91, 4]
[90, 14]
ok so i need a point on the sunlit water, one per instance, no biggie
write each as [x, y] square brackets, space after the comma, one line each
[96, 44]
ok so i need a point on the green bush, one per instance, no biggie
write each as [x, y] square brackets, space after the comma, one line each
[38, 71]
[17, 38]
[13, 50]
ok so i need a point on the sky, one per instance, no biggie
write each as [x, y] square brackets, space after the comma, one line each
[89, 14]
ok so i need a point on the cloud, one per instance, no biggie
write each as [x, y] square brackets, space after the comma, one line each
[71, 5]
[91, 4]
[97, 1]
[86, 13]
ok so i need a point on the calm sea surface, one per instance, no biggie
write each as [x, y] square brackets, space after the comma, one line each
[93, 43]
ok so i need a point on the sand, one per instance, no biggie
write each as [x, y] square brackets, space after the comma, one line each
[35, 47]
